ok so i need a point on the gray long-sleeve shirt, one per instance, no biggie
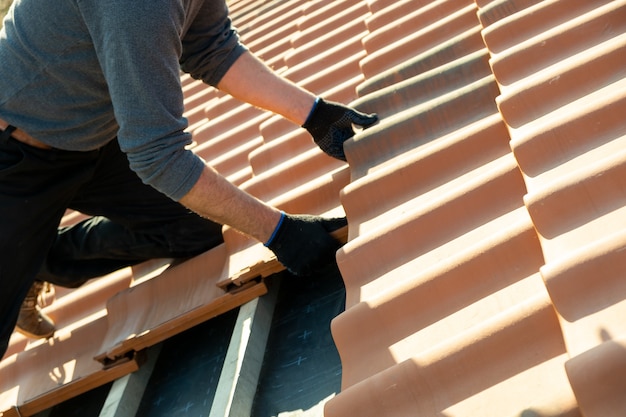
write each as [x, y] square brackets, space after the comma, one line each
[77, 73]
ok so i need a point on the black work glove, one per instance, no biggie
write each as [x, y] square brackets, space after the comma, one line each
[330, 124]
[303, 244]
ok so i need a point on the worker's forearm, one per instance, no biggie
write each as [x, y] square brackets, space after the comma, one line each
[250, 80]
[217, 199]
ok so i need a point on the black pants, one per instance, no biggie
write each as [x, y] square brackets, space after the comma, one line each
[132, 221]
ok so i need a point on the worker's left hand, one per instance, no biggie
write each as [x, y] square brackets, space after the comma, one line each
[331, 124]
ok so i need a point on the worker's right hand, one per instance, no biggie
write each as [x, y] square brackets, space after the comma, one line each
[303, 243]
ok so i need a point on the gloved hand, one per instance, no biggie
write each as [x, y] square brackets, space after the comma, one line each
[303, 244]
[330, 124]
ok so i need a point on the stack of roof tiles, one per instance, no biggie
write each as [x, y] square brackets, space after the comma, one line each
[483, 269]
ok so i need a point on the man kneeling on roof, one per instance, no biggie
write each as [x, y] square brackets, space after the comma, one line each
[91, 118]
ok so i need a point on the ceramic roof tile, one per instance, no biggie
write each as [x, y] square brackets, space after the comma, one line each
[46, 372]
[575, 189]
[511, 362]
[276, 16]
[245, 11]
[394, 270]
[195, 102]
[320, 22]
[445, 52]
[327, 39]
[403, 16]
[175, 300]
[490, 11]
[434, 31]
[416, 125]
[52, 372]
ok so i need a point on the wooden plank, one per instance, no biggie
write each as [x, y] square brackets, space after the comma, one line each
[240, 374]
[126, 393]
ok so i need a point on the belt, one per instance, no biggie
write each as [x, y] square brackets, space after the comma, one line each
[21, 136]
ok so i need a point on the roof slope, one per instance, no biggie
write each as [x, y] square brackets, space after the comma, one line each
[484, 280]
[486, 212]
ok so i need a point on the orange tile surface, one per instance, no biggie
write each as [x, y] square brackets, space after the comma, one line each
[564, 109]
[483, 265]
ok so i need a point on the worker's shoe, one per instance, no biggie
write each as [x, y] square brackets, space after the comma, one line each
[32, 321]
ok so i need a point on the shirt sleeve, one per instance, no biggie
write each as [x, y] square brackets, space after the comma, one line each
[138, 44]
[210, 44]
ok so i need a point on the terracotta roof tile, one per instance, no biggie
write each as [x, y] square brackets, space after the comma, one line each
[411, 42]
[388, 281]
